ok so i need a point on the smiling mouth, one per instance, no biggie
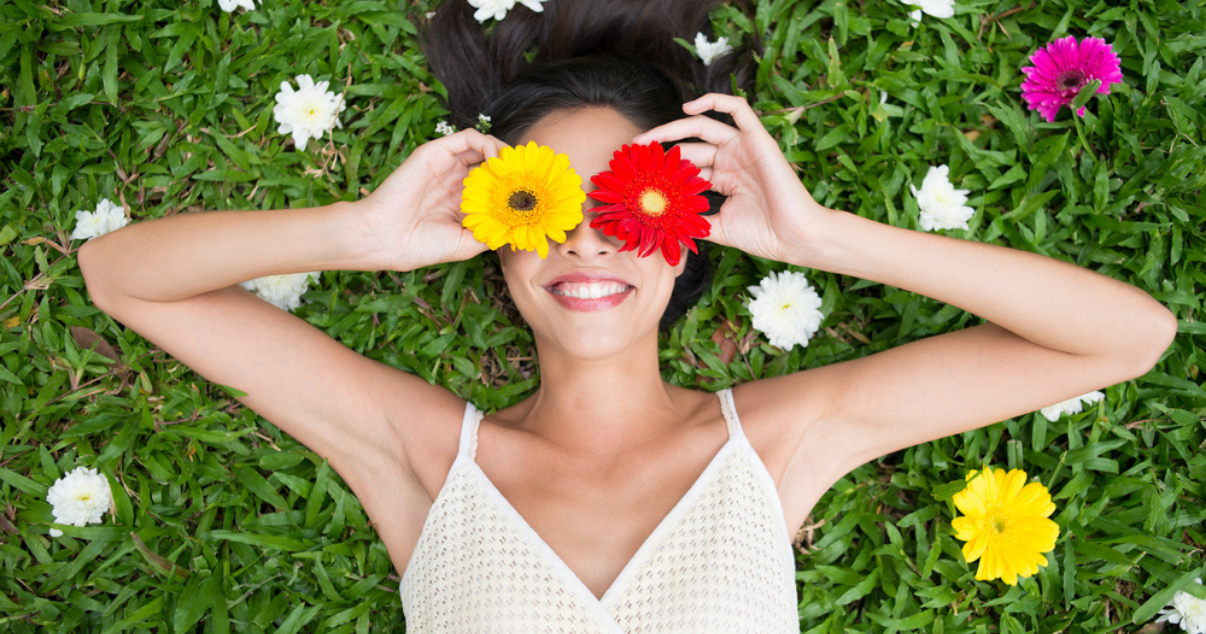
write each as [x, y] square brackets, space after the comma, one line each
[593, 290]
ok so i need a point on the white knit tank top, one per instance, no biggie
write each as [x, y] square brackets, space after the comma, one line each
[720, 561]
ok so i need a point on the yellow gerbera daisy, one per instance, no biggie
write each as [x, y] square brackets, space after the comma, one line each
[525, 196]
[1006, 524]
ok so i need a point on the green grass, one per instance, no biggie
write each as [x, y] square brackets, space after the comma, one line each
[224, 523]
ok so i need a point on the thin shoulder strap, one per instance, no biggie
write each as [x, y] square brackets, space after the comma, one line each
[730, 412]
[469, 425]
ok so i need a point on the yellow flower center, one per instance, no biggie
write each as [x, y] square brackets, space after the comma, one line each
[996, 522]
[653, 202]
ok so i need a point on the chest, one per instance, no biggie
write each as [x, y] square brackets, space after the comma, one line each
[595, 525]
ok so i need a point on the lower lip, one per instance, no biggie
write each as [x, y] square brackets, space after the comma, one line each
[586, 305]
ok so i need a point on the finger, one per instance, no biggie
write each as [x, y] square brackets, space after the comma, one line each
[470, 143]
[716, 229]
[705, 173]
[701, 127]
[701, 154]
[736, 107]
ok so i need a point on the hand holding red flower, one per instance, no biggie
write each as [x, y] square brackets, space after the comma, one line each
[768, 213]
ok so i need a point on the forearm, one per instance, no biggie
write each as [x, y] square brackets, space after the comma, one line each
[174, 258]
[1048, 302]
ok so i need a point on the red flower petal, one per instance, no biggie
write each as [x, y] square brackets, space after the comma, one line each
[635, 170]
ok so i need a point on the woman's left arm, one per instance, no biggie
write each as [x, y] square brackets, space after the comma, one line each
[1054, 330]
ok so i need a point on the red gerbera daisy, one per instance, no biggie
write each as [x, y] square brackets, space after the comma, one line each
[654, 201]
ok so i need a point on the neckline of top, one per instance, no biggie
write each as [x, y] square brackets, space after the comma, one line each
[472, 420]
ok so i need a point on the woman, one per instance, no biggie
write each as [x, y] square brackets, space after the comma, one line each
[609, 500]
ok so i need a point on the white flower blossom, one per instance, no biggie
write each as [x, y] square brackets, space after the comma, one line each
[1187, 611]
[915, 17]
[230, 5]
[282, 291]
[1071, 406]
[936, 8]
[109, 216]
[497, 9]
[444, 129]
[942, 206]
[78, 498]
[709, 51]
[307, 112]
[786, 308]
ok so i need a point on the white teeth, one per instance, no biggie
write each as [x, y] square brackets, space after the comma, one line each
[594, 290]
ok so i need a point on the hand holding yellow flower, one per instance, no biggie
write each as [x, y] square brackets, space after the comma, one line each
[1005, 524]
[525, 196]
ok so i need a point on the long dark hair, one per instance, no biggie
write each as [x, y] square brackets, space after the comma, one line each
[615, 53]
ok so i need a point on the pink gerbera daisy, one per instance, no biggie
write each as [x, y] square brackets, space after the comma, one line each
[1063, 67]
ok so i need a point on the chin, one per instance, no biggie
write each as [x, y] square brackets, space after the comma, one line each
[594, 342]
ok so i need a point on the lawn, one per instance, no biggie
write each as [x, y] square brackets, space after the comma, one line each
[222, 523]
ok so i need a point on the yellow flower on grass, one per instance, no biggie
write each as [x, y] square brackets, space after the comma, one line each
[524, 197]
[1005, 524]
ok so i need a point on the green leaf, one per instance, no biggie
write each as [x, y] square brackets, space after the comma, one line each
[260, 539]
[1162, 598]
[860, 589]
[201, 594]
[7, 375]
[89, 19]
[22, 483]
[1086, 92]
[948, 490]
[256, 483]
[835, 78]
[1015, 174]
[298, 618]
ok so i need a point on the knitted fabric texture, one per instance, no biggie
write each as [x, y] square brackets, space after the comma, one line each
[720, 561]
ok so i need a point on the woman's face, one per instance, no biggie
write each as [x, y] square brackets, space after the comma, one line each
[587, 299]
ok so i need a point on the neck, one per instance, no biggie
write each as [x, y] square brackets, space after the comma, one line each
[601, 406]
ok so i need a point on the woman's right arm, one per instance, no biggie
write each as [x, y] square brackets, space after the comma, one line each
[175, 282]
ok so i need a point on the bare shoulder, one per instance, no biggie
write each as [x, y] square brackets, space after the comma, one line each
[776, 414]
[784, 419]
[697, 406]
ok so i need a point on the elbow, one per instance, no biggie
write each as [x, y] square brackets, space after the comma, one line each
[1154, 333]
[90, 266]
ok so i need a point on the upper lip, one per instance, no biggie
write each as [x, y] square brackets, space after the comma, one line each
[583, 277]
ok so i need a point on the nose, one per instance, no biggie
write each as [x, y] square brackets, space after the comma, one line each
[586, 242]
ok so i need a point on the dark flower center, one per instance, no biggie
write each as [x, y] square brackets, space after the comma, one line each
[522, 200]
[1070, 79]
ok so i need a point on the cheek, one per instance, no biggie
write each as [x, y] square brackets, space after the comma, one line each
[665, 278]
[518, 273]
[514, 265]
